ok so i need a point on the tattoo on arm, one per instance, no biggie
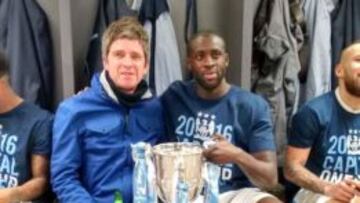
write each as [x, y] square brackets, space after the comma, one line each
[304, 178]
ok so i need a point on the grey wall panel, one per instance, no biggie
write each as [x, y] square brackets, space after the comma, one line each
[177, 11]
[66, 48]
[83, 18]
[240, 36]
[51, 9]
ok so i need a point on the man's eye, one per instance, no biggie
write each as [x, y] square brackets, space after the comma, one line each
[199, 57]
[135, 56]
[119, 54]
[216, 54]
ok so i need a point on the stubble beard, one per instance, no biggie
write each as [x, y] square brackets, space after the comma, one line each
[207, 86]
[352, 85]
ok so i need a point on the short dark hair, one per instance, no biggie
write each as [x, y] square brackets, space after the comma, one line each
[4, 64]
[204, 33]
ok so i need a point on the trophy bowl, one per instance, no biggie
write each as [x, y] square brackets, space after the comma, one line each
[168, 158]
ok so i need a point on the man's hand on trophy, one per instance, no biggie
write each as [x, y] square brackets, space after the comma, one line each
[222, 152]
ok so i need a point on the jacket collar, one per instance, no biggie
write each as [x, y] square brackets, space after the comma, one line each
[109, 91]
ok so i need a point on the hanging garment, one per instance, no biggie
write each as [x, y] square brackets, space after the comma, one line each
[190, 26]
[26, 38]
[276, 76]
[318, 26]
[345, 29]
[191, 21]
[136, 5]
[108, 11]
[165, 64]
[298, 28]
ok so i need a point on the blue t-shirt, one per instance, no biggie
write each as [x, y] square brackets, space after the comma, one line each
[241, 117]
[332, 133]
[25, 130]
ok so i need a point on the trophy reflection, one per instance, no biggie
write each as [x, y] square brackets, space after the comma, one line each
[178, 165]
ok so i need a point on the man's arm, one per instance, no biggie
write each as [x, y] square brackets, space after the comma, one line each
[37, 185]
[66, 159]
[33, 188]
[259, 167]
[296, 172]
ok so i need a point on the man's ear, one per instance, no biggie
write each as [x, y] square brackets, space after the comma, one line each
[188, 63]
[227, 59]
[4, 78]
[339, 71]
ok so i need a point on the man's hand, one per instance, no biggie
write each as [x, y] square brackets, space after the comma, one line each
[7, 195]
[342, 191]
[357, 184]
[222, 152]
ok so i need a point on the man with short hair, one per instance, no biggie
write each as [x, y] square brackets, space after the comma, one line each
[25, 133]
[322, 156]
[208, 107]
[93, 131]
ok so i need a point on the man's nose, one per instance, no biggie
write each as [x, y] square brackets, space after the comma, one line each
[209, 61]
[127, 61]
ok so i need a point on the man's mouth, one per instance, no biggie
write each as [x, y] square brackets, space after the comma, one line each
[126, 74]
[210, 76]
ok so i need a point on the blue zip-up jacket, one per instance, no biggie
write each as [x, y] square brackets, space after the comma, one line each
[91, 155]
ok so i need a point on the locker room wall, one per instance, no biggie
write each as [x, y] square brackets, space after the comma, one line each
[71, 23]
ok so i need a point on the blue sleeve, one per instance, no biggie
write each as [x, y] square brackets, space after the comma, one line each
[262, 138]
[66, 159]
[304, 128]
[41, 136]
[166, 100]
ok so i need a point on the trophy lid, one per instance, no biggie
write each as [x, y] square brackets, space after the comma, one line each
[177, 148]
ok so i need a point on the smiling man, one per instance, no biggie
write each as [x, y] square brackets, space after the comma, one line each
[91, 160]
[208, 107]
[324, 144]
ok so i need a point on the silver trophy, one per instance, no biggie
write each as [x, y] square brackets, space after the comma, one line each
[178, 163]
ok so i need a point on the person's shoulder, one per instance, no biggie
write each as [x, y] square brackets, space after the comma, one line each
[178, 88]
[80, 100]
[33, 111]
[319, 107]
[321, 103]
[75, 109]
[245, 96]
[70, 102]
[92, 94]
[179, 85]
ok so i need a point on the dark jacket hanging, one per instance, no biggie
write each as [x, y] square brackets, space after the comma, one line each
[191, 19]
[151, 10]
[165, 64]
[345, 29]
[25, 36]
[108, 11]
